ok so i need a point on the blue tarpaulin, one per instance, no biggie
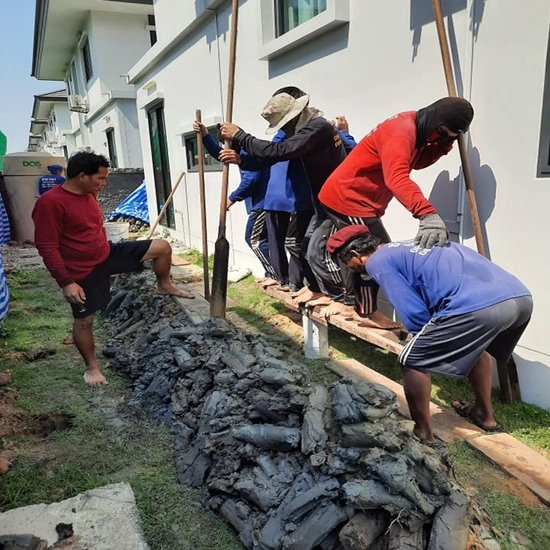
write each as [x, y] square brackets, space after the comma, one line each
[134, 205]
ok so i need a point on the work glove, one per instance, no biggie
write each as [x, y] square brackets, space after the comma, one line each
[431, 231]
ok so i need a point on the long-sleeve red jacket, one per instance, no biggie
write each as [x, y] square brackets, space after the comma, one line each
[378, 169]
[69, 234]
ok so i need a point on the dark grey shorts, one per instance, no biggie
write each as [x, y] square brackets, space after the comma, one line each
[125, 257]
[452, 345]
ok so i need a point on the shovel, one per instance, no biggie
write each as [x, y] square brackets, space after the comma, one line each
[218, 297]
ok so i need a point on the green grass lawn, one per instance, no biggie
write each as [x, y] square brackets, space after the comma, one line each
[104, 445]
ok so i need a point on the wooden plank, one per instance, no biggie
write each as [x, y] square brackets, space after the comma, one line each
[519, 460]
[386, 339]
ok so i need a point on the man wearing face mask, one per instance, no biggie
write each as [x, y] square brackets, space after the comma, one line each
[378, 169]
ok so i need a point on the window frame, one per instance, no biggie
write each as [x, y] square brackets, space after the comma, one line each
[210, 163]
[279, 17]
[87, 60]
[337, 14]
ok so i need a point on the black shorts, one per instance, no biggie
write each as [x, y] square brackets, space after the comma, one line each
[452, 345]
[125, 257]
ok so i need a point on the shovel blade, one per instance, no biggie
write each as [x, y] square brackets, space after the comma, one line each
[218, 296]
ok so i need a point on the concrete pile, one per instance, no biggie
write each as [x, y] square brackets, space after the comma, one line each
[288, 464]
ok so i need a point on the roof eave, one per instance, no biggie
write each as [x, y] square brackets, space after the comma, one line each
[39, 27]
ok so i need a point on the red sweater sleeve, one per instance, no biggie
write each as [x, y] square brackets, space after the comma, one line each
[395, 156]
[48, 217]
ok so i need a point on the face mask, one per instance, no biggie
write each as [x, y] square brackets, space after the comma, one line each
[439, 136]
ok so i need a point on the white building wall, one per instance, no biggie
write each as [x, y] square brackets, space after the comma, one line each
[507, 90]
[130, 145]
[118, 40]
[386, 60]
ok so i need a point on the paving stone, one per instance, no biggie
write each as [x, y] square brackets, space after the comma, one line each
[102, 519]
[518, 460]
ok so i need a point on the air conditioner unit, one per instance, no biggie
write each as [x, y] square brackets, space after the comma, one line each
[78, 104]
[51, 137]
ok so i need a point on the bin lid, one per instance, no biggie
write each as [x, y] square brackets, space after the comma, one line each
[30, 163]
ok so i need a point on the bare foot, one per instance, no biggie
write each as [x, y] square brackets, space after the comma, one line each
[321, 301]
[379, 320]
[171, 290]
[284, 288]
[425, 435]
[68, 340]
[306, 297]
[297, 293]
[267, 281]
[334, 308]
[95, 378]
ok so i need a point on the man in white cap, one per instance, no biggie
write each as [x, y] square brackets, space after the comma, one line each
[310, 138]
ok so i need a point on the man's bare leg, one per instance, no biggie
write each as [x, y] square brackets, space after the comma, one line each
[481, 379]
[417, 386]
[160, 252]
[83, 337]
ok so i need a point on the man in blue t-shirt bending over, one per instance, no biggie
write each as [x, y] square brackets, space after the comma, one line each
[460, 307]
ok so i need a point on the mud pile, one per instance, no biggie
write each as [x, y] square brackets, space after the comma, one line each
[291, 465]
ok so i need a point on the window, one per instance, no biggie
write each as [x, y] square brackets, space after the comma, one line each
[287, 24]
[544, 144]
[152, 29]
[291, 13]
[192, 153]
[73, 84]
[87, 58]
[110, 134]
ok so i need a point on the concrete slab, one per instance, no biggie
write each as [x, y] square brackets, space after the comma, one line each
[102, 519]
[517, 459]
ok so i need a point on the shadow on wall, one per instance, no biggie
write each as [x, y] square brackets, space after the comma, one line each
[422, 14]
[445, 197]
[323, 46]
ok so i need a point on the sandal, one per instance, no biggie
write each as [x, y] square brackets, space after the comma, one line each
[465, 410]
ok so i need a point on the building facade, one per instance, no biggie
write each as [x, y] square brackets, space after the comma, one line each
[368, 60]
[50, 121]
[91, 45]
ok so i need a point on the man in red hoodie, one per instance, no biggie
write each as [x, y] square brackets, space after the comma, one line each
[378, 169]
[70, 237]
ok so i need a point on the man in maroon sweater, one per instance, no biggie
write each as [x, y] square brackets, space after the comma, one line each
[70, 237]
